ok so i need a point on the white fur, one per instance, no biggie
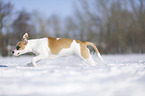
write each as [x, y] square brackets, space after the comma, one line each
[40, 47]
[57, 38]
[100, 56]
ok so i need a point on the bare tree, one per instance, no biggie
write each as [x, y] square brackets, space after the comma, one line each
[20, 26]
[5, 10]
[117, 27]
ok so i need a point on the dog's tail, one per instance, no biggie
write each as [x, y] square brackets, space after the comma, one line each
[96, 49]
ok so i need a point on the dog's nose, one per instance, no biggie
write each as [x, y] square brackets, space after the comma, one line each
[12, 52]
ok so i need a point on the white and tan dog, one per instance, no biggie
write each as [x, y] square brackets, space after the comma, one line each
[54, 47]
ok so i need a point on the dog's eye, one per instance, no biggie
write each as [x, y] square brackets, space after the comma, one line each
[18, 47]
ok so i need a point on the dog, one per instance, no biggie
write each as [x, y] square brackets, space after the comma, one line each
[54, 47]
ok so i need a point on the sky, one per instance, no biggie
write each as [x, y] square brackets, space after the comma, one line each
[63, 8]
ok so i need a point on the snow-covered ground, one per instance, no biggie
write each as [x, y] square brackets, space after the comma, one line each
[118, 75]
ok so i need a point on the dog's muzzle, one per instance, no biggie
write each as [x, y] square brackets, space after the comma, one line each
[15, 53]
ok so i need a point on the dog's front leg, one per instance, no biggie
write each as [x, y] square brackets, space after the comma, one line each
[37, 58]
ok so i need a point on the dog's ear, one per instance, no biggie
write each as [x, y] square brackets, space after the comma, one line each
[25, 38]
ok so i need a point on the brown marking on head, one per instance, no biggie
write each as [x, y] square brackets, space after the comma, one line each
[84, 50]
[21, 45]
[57, 45]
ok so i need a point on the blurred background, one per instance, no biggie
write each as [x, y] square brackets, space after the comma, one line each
[114, 26]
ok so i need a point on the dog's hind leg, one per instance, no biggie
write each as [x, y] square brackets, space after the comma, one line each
[84, 53]
[90, 61]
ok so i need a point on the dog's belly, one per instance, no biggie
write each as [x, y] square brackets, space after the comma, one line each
[65, 52]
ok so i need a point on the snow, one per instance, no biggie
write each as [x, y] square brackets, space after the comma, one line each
[118, 75]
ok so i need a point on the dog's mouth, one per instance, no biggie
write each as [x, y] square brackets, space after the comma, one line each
[18, 54]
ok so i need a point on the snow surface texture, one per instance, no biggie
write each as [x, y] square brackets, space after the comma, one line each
[118, 75]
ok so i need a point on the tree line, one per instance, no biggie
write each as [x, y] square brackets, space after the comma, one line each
[114, 26]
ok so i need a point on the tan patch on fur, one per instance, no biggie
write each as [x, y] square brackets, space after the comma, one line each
[84, 50]
[91, 44]
[57, 45]
[21, 45]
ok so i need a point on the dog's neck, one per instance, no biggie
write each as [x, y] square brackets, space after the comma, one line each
[31, 45]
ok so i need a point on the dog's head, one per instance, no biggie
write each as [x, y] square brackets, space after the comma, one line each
[21, 46]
